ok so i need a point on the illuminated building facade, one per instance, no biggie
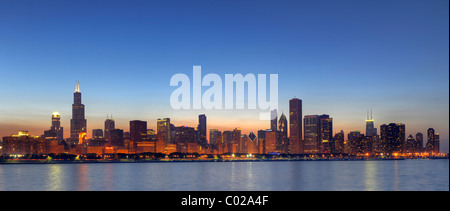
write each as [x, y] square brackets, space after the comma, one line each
[326, 143]
[271, 142]
[160, 144]
[97, 133]
[151, 135]
[419, 140]
[436, 143]
[355, 141]
[109, 126]
[252, 144]
[433, 141]
[214, 136]
[370, 127]
[23, 143]
[339, 142]
[163, 128]
[283, 140]
[184, 134]
[311, 129]
[392, 138]
[78, 121]
[242, 145]
[295, 126]
[318, 137]
[55, 130]
[410, 144]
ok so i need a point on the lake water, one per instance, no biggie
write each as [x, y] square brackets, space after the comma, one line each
[388, 175]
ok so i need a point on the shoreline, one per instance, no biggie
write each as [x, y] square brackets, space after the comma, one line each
[12, 162]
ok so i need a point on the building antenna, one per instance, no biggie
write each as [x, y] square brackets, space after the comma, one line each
[77, 87]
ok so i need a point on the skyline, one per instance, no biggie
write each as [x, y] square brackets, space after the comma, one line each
[305, 144]
[392, 58]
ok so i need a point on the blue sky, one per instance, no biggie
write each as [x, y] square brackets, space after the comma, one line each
[340, 57]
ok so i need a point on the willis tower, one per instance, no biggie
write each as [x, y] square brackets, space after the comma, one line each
[78, 122]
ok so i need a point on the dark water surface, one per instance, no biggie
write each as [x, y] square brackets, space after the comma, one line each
[387, 175]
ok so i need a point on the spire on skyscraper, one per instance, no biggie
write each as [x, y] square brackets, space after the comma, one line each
[77, 87]
[369, 115]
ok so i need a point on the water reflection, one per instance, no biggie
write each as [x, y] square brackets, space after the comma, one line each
[55, 178]
[247, 176]
[370, 176]
[250, 179]
[396, 176]
[82, 177]
[108, 177]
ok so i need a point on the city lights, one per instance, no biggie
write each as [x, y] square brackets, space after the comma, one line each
[170, 142]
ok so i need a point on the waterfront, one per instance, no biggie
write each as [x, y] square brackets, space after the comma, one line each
[380, 175]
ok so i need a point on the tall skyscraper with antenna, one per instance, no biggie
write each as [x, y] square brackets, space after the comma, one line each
[109, 126]
[370, 128]
[78, 121]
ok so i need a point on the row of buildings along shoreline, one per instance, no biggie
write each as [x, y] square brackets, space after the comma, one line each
[309, 135]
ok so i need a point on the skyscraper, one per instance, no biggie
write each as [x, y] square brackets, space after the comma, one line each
[437, 140]
[311, 141]
[355, 142]
[252, 144]
[78, 122]
[55, 130]
[163, 129]
[433, 141]
[326, 144]
[97, 133]
[138, 131]
[283, 139]
[318, 137]
[56, 121]
[370, 128]
[339, 142]
[184, 134]
[262, 141]
[214, 136]
[393, 138]
[295, 126]
[109, 125]
[273, 119]
[271, 142]
[116, 138]
[419, 140]
[202, 129]
[283, 125]
[430, 140]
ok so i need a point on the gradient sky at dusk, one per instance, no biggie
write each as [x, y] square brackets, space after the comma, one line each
[340, 57]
